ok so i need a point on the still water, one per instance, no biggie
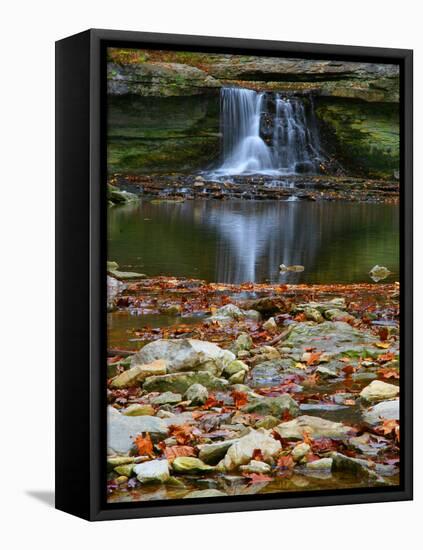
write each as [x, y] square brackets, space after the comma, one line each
[239, 241]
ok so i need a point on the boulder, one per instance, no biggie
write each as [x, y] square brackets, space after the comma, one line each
[180, 381]
[185, 355]
[153, 471]
[121, 429]
[379, 391]
[197, 394]
[274, 406]
[138, 373]
[385, 410]
[315, 427]
[242, 451]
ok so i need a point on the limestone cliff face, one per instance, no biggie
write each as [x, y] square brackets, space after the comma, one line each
[164, 115]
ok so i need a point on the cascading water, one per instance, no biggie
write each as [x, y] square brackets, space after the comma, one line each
[267, 134]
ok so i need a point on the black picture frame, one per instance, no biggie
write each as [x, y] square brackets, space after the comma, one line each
[81, 273]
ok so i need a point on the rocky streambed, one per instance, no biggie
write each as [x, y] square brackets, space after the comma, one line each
[253, 388]
[255, 187]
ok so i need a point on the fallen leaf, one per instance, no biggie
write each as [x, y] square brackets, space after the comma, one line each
[240, 398]
[178, 450]
[182, 433]
[144, 445]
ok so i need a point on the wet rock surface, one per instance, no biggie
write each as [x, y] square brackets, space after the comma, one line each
[303, 414]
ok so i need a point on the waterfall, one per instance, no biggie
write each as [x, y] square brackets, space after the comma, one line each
[265, 133]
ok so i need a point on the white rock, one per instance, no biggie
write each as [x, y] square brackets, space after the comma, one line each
[152, 471]
[386, 410]
[242, 451]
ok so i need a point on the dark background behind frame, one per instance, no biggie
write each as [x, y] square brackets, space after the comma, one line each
[78, 62]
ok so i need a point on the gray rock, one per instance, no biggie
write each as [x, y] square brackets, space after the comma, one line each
[211, 453]
[385, 410]
[270, 373]
[197, 394]
[274, 406]
[185, 355]
[234, 367]
[315, 427]
[244, 342]
[329, 337]
[121, 429]
[354, 466]
[231, 312]
[179, 382]
[167, 398]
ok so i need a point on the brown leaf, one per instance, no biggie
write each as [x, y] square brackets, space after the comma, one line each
[182, 433]
[178, 450]
[144, 445]
[240, 398]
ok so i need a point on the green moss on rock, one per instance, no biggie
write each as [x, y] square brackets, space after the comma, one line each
[363, 136]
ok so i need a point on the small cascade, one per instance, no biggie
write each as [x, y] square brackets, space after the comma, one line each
[264, 133]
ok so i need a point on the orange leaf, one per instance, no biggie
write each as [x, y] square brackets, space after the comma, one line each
[211, 402]
[240, 398]
[182, 433]
[307, 439]
[314, 358]
[144, 445]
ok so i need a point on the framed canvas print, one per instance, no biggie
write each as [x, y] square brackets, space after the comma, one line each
[234, 284]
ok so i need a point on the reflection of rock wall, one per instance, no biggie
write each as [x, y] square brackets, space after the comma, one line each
[358, 107]
[162, 134]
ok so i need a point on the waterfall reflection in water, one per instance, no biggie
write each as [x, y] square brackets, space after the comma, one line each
[238, 240]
